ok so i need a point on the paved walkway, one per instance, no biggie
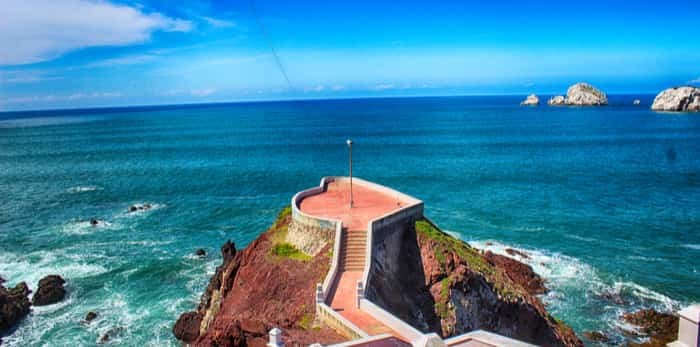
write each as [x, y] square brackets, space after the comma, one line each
[368, 204]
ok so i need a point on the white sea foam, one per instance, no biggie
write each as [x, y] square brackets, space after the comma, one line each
[85, 227]
[154, 207]
[82, 189]
[692, 246]
[575, 285]
[34, 266]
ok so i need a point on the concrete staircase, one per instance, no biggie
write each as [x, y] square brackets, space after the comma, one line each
[353, 250]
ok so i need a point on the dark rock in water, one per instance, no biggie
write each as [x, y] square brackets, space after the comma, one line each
[660, 328]
[111, 334]
[90, 316]
[186, 328]
[613, 297]
[200, 252]
[94, 222]
[139, 207]
[514, 252]
[49, 291]
[595, 336]
[14, 306]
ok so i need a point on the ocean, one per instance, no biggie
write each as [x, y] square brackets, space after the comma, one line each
[606, 200]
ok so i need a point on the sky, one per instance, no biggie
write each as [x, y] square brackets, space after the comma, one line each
[94, 53]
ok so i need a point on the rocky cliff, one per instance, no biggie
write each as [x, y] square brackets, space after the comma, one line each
[268, 284]
[580, 94]
[441, 285]
[679, 99]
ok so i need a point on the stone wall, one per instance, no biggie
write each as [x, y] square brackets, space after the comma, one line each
[310, 236]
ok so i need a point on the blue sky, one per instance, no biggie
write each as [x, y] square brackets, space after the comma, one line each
[86, 53]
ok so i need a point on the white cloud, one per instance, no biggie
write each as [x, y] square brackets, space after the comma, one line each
[67, 97]
[317, 88]
[25, 76]
[218, 23]
[124, 60]
[38, 30]
[202, 92]
[338, 87]
[384, 86]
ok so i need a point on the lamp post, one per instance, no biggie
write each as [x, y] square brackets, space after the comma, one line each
[349, 142]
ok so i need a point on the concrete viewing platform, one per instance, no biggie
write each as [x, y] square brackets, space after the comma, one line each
[334, 203]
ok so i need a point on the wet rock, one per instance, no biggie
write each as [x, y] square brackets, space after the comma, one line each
[515, 252]
[90, 316]
[596, 336]
[557, 101]
[584, 94]
[531, 100]
[111, 334]
[612, 296]
[660, 328]
[49, 291]
[14, 305]
[140, 207]
[186, 328]
[200, 252]
[679, 99]
[94, 222]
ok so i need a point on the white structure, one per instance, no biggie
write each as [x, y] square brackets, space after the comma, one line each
[275, 338]
[688, 328]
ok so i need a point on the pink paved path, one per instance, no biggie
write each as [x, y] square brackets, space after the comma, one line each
[368, 204]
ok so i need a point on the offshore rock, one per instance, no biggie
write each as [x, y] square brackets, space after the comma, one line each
[679, 99]
[531, 100]
[50, 291]
[14, 306]
[557, 101]
[659, 328]
[584, 94]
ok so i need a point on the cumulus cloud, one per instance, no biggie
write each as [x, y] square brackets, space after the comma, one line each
[38, 30]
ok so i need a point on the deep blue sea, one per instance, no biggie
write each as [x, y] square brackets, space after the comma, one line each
[606, 200]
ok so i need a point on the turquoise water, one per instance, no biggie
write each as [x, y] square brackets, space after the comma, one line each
[606, 200]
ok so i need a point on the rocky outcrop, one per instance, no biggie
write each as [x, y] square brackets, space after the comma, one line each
[14, 306]
[518, 272]
[659, 328]
[557, 100]
[584, 94]
[531, 100]
[679, 99]
[472, 292]
[580, 94]
[139, 207]
[50, 291]
[254, 290]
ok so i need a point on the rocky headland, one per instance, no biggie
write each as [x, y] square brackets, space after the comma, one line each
[678, 99]
[580, 94]
[443, 285]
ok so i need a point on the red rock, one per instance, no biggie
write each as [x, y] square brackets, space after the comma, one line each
[187, 326]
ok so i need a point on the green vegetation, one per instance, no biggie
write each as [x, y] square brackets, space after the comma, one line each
[306, 320]
[286, 250]
[441, 306]
[447, 243]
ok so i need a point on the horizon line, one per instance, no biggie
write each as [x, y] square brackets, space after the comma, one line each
[291, 99]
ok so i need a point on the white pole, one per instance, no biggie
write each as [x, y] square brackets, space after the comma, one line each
[349, 142]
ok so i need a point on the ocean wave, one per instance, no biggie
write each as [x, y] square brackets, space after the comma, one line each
[576, 288]
[85, 227]
[141, 212]
[82, 189]
[34, 266]
[692, 246]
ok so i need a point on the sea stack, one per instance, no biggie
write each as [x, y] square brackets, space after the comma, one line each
[678, 99]
[584, 94]
[531, 100]
[556, 101]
